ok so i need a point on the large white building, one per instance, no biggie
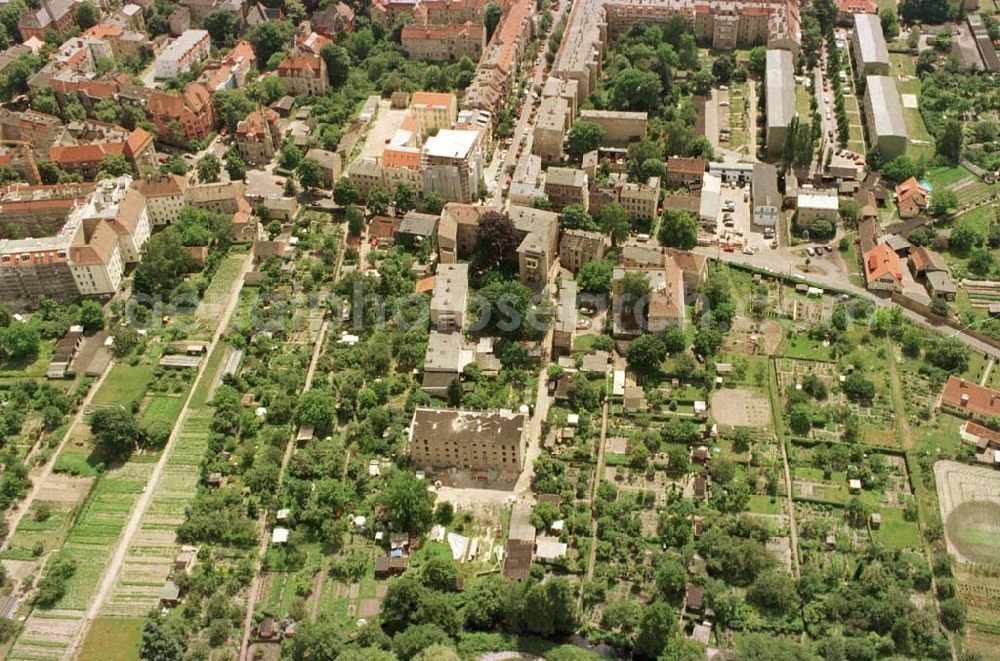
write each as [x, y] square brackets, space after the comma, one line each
[868, 48]
[884, 115]
[711, 190]
[182, 54]
[780, 98]
[452, 163]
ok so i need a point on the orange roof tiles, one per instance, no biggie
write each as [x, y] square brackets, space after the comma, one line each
[972, 397]
[137, 140]
[686, 165]
[432, 99]
[882, 260]
[88, 153]
[401, 158]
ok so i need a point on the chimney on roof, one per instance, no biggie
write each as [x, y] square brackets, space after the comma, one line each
[965, 399]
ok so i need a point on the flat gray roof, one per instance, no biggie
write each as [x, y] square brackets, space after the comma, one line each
[871, 41]
[765, 185]
[780, 81]
[886, 107]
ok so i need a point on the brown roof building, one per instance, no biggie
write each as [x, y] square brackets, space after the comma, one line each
[258, 137]
[685, 171]
[969, 400]
[303, 74]
[471, 440]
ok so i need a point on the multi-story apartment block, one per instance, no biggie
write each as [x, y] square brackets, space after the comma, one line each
[122, 42]
[449, 298]
[458, 230]
[765, 200]
[578, 247]
[433, 110]
[38, 129]
[365, 174]
[527, 184]
[225, 197]
[447, 12]
[452, 165]
[165, 197]
[884, 115]
[869, 52]
[684, 172]
[258, 137]
[620, 127]
[468, 440]
[304, 74]
[816, 205]
[553, 122]
[722, 23]
[335, 20]
[86, 255]
[56, 15]
[565, 186]
[565, 322]
[779, 94]
[448, 43]
[232, 71]
[538, 231]
[641, 201]
[182, 54]
[494, 76]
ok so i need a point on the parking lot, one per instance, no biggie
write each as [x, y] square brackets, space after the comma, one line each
[735, 227]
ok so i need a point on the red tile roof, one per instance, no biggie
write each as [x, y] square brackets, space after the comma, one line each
[972, 397]
[881, 260]
[686, 165]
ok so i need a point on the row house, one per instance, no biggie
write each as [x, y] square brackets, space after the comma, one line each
[448, 43]
[182, 54]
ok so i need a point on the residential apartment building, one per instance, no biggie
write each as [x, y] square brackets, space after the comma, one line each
[468, 440]
[565, 186]
[813, 205]
[564, 327]
[433, 111]
[329, 163]
[723, 23]
[232, 70]
[452, 164]
[449, 299]
[258, 137]
[84, 145]
[538, 231]
[121, 41]
[446, 357]
[620, 128]
[365, 174]
[458, 230]
[765, 201]
[684, 172]
[779, 93]
[447, 12]
[641, 201]
[884, 115]
[304, 74]
[552, 125]
[182, 54]
[869, 52]
[165, 196]
[58, 16]
[334, 21]
[527, 184]
[448, 43]
[577, 247]
[85, 256]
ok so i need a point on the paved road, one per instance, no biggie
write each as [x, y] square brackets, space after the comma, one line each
[121, 550]
[781, 262]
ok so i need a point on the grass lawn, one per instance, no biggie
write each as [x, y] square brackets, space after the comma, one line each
[124, 384]
[800, 346]
[802, 101]
[896, 532]
[941, 436]
[162, 410]
[850, 257]
[113, 639]
[32, 367]
[767, 505]
[903, 65]
[584, 343]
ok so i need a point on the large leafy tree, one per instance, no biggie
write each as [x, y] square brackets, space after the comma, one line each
[497, 240]
[949, 144]
[491, 18]
[657, 628]
[646, 353]
[310, 173]
[338, 63]
[679, 229]
[636, 90]
[268, 38]
[116, 430]
[409, 506]
[613, 220]
[584, 136]
[164, 263]
[596, 277]
[209, 168]
[223, 27]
